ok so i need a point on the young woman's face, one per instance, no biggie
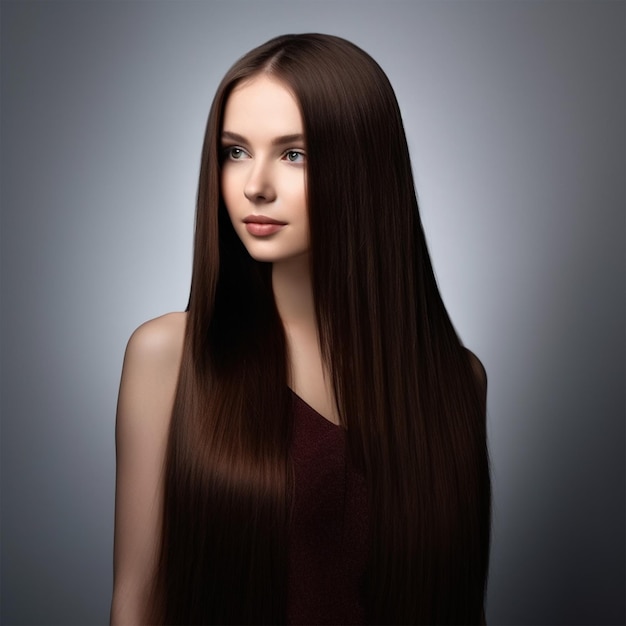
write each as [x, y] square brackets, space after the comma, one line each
[264, 170]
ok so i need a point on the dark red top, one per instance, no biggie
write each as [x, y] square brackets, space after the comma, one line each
[328, 541]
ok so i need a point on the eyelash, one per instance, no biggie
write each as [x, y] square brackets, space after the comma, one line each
[229, 150]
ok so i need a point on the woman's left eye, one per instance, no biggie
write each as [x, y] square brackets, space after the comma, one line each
[294, 156]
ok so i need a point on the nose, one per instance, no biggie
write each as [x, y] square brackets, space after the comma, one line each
[259, 187]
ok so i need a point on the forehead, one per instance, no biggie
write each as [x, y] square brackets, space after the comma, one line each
[262, 105]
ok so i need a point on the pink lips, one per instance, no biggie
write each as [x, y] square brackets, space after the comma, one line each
[262, 226]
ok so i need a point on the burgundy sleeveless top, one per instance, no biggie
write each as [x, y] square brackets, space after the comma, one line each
[328, 537]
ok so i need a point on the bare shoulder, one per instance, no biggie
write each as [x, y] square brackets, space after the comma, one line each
[159, 340]
[144, 410]
[151, 366]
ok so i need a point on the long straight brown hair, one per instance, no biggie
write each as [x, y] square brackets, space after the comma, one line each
[405, 388]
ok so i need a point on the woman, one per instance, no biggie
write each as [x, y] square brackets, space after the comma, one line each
[307, 442]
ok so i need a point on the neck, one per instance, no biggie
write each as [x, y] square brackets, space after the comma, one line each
[308, 375]
[291, 282]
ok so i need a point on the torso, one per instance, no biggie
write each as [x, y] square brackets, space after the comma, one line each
[329, 528]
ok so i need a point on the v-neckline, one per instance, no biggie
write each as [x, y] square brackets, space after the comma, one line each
[317, 413]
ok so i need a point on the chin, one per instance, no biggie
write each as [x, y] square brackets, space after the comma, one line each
[264, 256]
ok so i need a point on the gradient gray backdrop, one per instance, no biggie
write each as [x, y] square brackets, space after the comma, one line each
[515, 118]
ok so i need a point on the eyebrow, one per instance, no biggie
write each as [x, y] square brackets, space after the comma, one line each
[277, 141]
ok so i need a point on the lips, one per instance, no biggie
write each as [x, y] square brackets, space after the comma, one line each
[261, 219]
[262, 226]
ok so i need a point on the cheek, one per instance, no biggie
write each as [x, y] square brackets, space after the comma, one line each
[304, 205]
[296, 191]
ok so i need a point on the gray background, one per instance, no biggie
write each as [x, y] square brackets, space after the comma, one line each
[515, 118]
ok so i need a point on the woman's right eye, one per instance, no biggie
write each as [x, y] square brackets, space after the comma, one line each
[234, 153]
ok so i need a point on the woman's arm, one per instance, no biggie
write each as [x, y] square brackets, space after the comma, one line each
[145, 402]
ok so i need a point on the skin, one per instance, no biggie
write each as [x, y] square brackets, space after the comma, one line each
[146, 398]
[262, 173]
